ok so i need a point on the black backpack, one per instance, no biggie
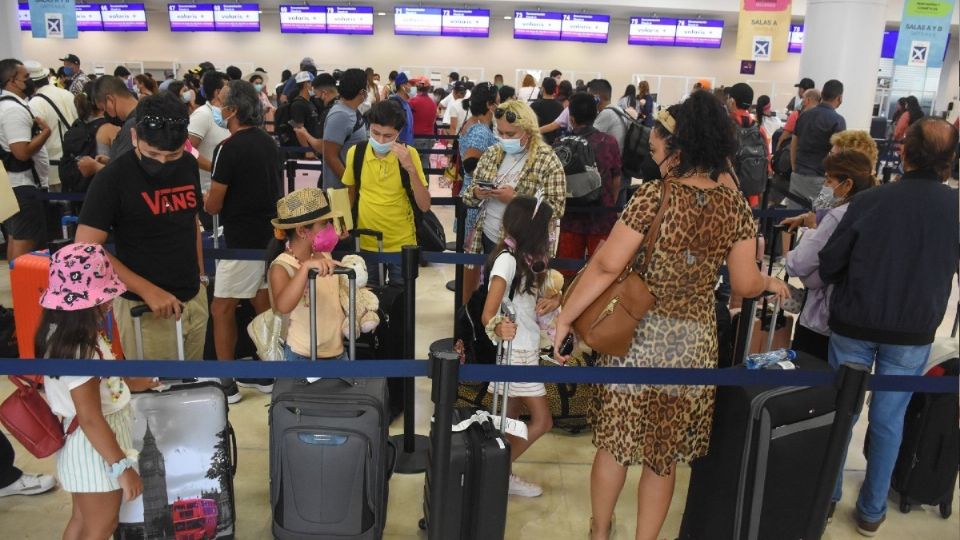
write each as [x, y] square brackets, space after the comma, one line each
[635, 154]
[281, 123]
[750, 163]
[79, 141]
[580, 167]
[471, 333]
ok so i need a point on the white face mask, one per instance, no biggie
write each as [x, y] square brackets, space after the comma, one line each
[826, 199]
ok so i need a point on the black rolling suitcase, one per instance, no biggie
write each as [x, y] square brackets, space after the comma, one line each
[764, 465]
[766, 450]
[926, 468]
[329, 454]
[386, 342]
[475, 507]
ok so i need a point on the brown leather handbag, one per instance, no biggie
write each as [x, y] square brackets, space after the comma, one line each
[608, 324]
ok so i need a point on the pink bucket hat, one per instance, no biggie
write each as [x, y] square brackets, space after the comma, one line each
[81, 277]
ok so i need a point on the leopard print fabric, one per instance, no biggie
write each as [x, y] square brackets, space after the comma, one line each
[662, 425]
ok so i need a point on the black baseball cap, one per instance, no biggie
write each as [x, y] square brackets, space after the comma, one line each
[806, 83]
[742, 95]
[72, 58]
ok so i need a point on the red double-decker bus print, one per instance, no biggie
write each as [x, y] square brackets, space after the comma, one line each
[194, 519]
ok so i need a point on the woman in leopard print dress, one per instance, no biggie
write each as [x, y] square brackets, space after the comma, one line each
[706, 224]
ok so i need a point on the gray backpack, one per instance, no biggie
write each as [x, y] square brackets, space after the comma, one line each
[580, 167]
[751, 160]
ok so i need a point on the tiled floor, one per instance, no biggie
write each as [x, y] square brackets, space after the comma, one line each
[560, 462]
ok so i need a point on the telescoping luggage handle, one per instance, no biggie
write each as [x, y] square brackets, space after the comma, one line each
[750, 321]
[137, 312]
[351, 311]
[357, 233]
[509, 313]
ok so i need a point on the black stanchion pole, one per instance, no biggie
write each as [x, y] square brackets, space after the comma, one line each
[412, 458]
[852, 382]
[444, 370]
[461, 213]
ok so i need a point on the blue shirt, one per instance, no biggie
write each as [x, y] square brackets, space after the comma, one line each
[406, 134]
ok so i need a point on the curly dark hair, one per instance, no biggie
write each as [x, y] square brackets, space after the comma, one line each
[705, 136]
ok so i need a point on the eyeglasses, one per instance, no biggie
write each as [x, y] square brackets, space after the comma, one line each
[159, 122]
[510, 115]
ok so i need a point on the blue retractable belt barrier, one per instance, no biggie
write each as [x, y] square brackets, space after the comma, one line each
[419, 368]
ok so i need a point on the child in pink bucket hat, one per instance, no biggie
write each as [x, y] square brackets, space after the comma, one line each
[81, 277]
[100, 475]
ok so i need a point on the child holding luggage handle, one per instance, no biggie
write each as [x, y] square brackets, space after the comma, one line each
[518, 266]
[97, 462]
[305, 236]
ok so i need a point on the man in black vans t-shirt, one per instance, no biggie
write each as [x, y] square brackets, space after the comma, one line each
[149, 199]
[243, 192]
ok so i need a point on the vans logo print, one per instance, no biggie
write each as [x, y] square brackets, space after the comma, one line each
[165, 201]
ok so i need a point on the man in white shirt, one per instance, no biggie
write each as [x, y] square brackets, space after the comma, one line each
[24, 157]
[56, 107]
[206, 129]
[454, 114]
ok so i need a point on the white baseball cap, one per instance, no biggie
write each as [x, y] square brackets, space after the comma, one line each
[303, 76]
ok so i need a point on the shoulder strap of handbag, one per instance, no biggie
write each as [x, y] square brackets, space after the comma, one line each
[654, 232]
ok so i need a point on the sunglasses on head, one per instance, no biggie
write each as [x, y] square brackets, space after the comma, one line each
[510, 115]
[159, 122]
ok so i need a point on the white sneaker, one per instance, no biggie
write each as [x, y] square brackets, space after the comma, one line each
[265, 386]
[30, 484]
[522, 488]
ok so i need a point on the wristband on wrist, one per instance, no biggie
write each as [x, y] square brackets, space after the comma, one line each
[119, 467]
[491, 328]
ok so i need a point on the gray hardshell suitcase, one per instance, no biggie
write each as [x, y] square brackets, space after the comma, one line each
[330, 458]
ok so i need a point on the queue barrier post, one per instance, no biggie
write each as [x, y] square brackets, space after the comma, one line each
[412, 457]
[444, 371]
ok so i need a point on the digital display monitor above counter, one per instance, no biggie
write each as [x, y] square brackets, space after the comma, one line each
[585, 27]
[124, 17]
[350, 20]
[89, 17]
[795, 44]
[417, 21]
[465, 22]
[652, 31]
[300, 19]
[236, 17]
[537, 25]
[191, 17]
[702, 33]
[889, 47]
[23, 15]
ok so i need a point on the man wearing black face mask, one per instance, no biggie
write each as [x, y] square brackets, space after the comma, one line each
[22, 139]
[118, 104]
[150, 199]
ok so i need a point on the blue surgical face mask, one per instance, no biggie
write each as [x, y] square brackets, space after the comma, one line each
[511, 146]
[381, 148]
[258, 87]
[67, 70]
[218, 116]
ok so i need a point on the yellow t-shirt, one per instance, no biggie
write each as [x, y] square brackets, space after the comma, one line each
[330, 316]
[384, 205]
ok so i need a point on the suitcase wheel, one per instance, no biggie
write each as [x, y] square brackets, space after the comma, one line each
[946, 509]
[423, 524]
[905, 506]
